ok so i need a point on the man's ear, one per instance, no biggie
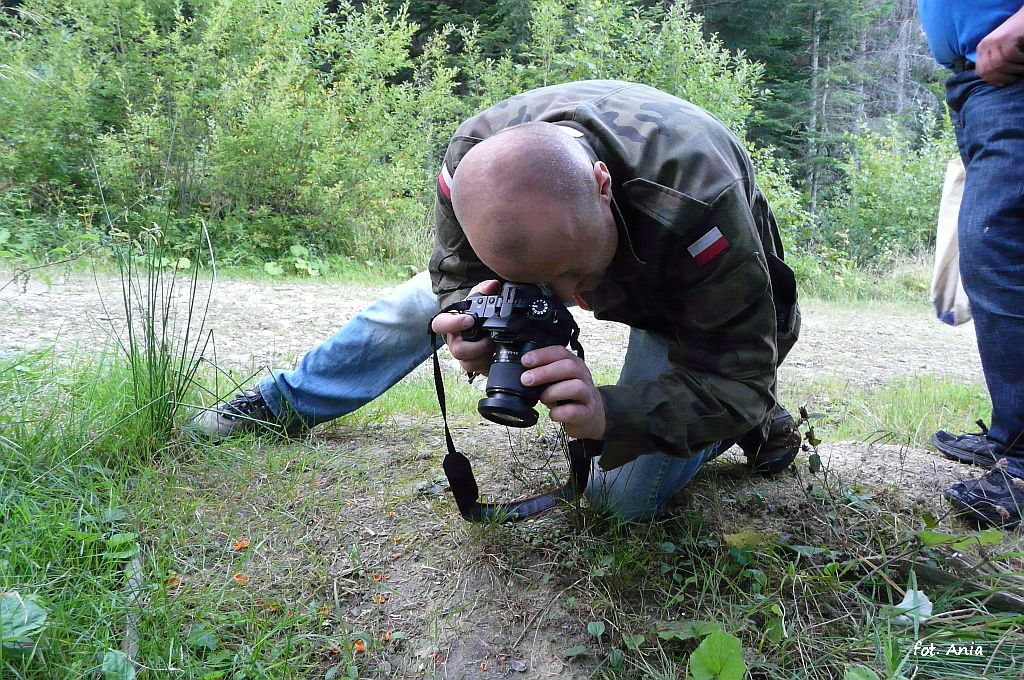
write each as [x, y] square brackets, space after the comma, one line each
[604, 181]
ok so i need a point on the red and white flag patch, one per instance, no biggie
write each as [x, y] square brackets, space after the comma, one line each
[708, 246]
[444, 181]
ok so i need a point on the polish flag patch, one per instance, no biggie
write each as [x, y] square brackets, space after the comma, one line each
[444, 181]
[708, 246]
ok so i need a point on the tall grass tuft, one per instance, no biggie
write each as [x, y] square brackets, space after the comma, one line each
[164, 335]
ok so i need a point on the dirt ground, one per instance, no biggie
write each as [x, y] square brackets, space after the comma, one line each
[270, 323]
[260, 323]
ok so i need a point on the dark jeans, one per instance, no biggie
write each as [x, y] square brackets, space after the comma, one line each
[989, 125]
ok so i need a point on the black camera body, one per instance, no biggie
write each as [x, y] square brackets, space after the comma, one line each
[522, 318]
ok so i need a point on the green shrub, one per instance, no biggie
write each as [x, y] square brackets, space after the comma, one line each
[302, 124]
[889, 201]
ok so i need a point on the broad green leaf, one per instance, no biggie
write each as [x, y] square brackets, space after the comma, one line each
[117, 666]
[805, 550]
[5, 235]
[633, 641]
[121, 539]
[687, 630]
[930, 538]
[990, 536]
[298, 251]
[183, 263]
[718, 657]
[113, 515]
[814, 462]
[273, 268]
[859, 673]
[21, 618]
[123, 554]
[573, 652]
[596, 628]
[200, 636]
[615, 657]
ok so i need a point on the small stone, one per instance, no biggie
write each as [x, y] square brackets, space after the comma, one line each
[518, 666]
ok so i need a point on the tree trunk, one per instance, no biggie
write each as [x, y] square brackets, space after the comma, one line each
[812, 124]
[862, 73]
[902, 49]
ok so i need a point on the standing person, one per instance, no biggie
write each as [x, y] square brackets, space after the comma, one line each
[982, 42]
[644, 208]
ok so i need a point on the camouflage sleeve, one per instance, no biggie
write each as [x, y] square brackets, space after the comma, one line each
[454, 267]
[723, 351]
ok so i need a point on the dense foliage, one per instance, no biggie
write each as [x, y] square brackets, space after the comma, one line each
[303, 129]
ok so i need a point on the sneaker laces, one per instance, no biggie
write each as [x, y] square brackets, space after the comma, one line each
[246, 404]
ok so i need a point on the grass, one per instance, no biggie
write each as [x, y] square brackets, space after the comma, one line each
[353, 567]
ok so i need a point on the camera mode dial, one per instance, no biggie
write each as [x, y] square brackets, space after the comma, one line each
[540, 309]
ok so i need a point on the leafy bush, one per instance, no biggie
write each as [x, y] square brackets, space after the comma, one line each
[889, 201]
[296, 125]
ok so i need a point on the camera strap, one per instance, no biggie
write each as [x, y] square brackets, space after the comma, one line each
[460, 473]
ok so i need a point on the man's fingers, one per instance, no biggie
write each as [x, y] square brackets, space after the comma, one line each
[566, 391]
[563, 369]
[488, 287]
[570, 413]
[444, 324]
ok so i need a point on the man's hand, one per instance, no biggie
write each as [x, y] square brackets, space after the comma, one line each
[475, 357]
[1001, 53]
[571, 395]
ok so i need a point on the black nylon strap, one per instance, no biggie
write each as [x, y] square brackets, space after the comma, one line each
[460, 473]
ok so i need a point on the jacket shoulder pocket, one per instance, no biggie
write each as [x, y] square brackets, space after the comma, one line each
[667, 206]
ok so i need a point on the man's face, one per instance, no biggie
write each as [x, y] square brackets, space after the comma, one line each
[563, 251]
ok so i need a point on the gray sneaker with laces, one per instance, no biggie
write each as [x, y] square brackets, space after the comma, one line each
[247, 412]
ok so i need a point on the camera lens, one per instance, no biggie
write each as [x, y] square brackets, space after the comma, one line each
[508, 402]
[507, 409]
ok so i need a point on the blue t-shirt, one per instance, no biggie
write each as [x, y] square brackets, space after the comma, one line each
[954, 28]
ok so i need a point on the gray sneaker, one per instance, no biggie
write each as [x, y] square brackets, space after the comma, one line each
[247, 412]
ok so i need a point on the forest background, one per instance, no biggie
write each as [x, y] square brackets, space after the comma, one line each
[307, 134]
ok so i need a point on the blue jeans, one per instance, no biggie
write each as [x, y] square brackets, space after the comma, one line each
[638, 489]
[989, 125]
[378, 347]
[382, 344]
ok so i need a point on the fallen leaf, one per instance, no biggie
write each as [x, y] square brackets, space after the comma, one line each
[379, 599]
[172, 582]
[241, 544]
[750, 540]
[359, 646]
[241, 579]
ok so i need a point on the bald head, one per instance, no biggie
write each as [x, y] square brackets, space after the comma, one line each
[524, 189]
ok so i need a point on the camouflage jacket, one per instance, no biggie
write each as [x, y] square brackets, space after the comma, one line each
[699, 258]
